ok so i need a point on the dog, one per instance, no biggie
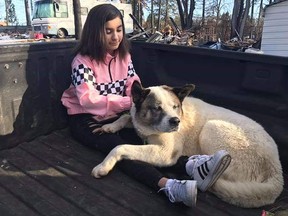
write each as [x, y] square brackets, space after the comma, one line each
[173, 123]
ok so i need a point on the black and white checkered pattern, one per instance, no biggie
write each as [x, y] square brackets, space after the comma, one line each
[84, 74]
[116, 87]
[131, 71]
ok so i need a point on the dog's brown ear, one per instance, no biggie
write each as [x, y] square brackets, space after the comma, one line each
[183, 91]
[138, 93]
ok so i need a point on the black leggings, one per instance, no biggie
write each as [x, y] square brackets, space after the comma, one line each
[82, 125]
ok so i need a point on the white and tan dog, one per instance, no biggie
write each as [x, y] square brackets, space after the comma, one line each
[174, 125]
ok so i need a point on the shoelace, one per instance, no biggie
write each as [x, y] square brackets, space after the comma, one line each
[167, 190]
[199, 160]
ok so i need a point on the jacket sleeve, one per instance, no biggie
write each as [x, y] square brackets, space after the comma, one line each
[132, 76]
[89, 97]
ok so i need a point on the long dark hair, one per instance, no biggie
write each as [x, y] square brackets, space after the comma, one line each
[92, 41]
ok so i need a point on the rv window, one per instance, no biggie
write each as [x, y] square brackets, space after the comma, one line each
[64, 15]
[84, 10]
[43, 10]
[63, 10]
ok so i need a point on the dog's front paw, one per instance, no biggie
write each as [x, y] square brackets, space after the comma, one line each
[99, 171]
[107, 128]
[98, 130]
[110, 128]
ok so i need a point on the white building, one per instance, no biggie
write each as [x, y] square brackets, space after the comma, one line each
[275, 29]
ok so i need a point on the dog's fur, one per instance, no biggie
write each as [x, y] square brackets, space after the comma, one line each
[174, 125]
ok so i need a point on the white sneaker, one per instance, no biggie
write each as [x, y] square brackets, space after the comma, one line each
[206, 169]
[181, 191]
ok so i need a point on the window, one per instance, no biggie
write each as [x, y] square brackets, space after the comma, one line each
[43, 9]
[48, 9]
[62, 10]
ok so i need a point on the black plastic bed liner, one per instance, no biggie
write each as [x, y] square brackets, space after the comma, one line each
[51, 176]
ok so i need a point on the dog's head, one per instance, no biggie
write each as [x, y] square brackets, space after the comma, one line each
[158, 109]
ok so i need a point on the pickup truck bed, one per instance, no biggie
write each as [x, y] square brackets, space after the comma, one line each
[45, 172]
[51, 176]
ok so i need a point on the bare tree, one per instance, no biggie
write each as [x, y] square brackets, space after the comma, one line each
[166, 13]
[137, 9]
[77, 18]
[239, 16]
[140, 11]
[152, 15]
[224, 27]
[203, 11]
[31, 3]
[186, 10]
[6, 11]
[259, 18]
[159, 14]
[252, 18]
[244, 18]
[10, 12]
[27, 12]
[214, 10]
[218, 9]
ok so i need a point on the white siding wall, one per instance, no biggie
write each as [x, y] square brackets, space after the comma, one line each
[275, 30]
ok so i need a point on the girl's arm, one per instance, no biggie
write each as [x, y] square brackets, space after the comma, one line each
[102, 106]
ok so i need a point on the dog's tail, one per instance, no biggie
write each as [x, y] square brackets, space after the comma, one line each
[250, 194]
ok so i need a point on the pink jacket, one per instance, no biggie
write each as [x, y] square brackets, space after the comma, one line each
[103, 90]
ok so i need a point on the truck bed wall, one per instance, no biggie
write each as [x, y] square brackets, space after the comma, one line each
[251, 84]
[33, 77]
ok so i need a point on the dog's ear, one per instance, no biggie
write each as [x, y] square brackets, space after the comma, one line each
[183, 91]
[138, 93]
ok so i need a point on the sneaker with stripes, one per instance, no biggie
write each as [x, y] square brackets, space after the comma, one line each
[206, 169]
[181, 191]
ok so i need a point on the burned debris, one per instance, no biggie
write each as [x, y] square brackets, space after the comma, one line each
[174, 36]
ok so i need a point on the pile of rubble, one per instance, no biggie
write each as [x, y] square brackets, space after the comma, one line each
[186, 38]
[13, 36]
[167, 36]
[175, 36]
[8, 37]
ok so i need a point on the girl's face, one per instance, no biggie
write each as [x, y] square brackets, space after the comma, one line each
[113, 34]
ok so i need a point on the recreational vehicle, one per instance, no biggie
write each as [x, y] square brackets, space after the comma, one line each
[56, 17]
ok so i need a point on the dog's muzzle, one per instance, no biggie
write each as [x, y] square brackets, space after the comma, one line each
[174, 122]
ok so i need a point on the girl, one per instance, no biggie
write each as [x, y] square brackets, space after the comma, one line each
[102, 76]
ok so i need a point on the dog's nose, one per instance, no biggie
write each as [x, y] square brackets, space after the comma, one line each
[174, 121]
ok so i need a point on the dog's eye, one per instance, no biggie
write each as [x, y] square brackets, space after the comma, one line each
[156, 109]
[175, 106]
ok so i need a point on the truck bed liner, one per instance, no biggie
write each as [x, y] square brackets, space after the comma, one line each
[51, 176]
